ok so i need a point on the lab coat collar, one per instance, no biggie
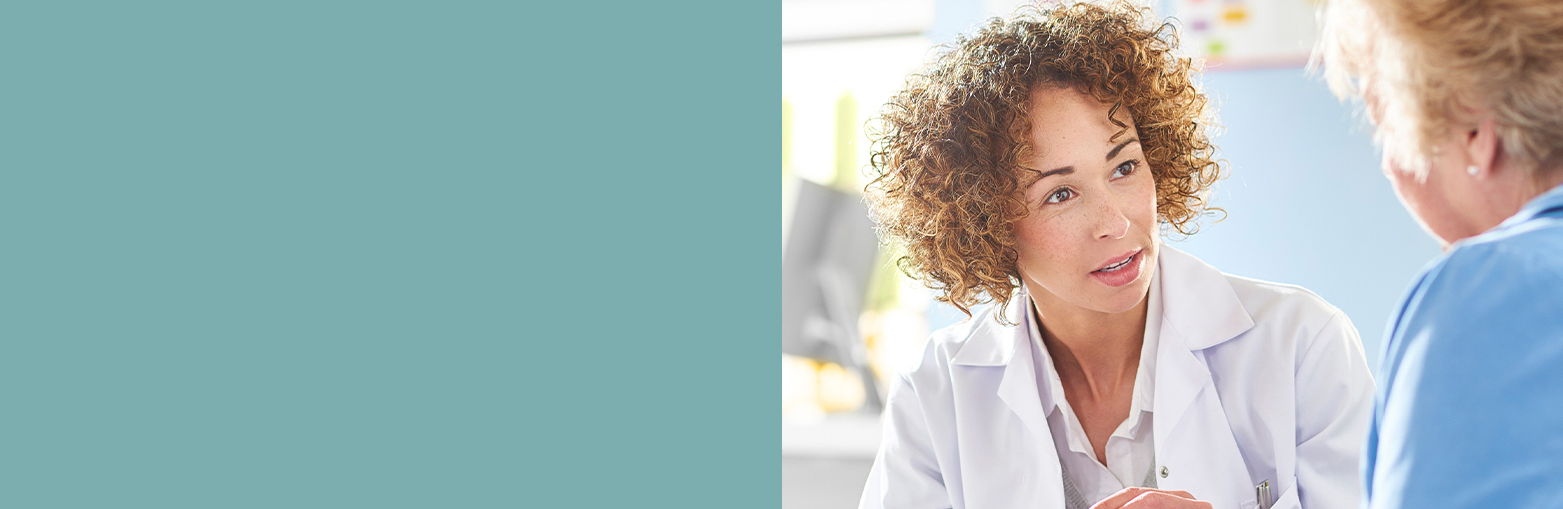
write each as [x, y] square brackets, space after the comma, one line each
[1198, 302]
[991, 343]
[1009, 346]
[1201, 310]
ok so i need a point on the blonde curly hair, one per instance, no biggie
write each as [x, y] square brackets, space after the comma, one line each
[949, 151]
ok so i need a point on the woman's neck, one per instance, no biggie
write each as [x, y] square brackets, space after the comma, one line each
[1092, 350]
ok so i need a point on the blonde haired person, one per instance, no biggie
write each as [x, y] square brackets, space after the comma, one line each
[1035, 164]
[1467, 97]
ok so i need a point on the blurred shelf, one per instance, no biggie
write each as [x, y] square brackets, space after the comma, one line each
[824, 21]
[835, 436]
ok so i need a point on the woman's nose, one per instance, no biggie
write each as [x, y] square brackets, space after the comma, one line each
[1112, 224]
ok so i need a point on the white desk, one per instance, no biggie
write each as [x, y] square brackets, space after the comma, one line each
[826, 462]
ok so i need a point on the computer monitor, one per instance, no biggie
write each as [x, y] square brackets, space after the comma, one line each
[827, 261]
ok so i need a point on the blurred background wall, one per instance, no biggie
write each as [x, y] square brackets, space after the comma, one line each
[1306, 203]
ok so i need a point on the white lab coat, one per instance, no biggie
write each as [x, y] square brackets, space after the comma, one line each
[1254, 381]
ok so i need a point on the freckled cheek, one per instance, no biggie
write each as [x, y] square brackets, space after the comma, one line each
[1144, 214]
[1043, 245]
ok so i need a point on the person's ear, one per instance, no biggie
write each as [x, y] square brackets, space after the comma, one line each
[1481, 147]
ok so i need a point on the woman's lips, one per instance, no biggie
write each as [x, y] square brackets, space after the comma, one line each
[1121, 273]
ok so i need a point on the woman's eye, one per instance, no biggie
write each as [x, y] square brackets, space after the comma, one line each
[1123, 170]
[1060, 196]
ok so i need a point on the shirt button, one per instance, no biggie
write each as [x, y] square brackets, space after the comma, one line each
[1163, 472]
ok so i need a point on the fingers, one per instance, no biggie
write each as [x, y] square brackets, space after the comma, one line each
[1165, 500]
[1123, 496]
[1147, 498]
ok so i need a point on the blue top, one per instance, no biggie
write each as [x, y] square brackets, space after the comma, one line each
[1469, 412]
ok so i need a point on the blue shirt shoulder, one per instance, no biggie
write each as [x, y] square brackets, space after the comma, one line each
[1470, 409]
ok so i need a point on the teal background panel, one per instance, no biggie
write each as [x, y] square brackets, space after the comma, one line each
[386, 254]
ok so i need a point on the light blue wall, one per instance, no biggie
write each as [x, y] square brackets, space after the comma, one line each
[1305, 200]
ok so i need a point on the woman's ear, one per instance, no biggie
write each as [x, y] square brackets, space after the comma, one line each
[1481, 147]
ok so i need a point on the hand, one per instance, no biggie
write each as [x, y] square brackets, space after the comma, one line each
[1147, 498]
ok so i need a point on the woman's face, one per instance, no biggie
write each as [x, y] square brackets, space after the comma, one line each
[1090, 239]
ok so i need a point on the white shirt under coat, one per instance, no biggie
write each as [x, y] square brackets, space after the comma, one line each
[1253, 381]
[1129, 451]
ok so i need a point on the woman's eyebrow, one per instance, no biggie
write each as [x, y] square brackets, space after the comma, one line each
[1056, 171]
[1114, 152]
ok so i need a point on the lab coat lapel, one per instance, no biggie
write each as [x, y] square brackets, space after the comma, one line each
[1017, 468]
[1195, 448]
[1018, 389]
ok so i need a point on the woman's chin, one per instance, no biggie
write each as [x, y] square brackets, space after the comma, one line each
[1124, 299]
[1119, 309]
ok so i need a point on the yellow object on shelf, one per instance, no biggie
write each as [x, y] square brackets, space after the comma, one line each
[811, 388]
[1234, 14]
[839, 389]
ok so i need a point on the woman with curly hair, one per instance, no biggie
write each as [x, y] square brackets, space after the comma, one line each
[1035, 165]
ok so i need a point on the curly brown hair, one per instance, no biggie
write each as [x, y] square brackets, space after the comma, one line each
[949, 150]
